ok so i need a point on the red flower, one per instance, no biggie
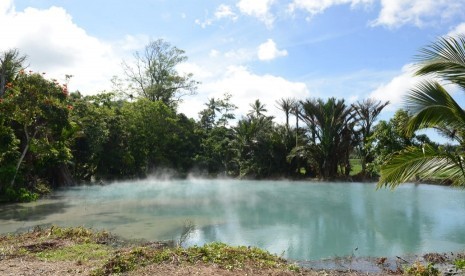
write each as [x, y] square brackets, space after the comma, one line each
[70, 107]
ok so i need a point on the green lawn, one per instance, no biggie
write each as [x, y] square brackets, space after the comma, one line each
[356, 166]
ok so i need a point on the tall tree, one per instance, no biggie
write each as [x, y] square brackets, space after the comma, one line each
[330, 126]
[38, 112]
[366, 111]
[223, 107]
[286, 105]
[11, 62]
[257, 109]
[154, 74]
[433, 107]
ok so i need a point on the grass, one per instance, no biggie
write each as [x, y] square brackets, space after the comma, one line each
[356, 166]
[82, 245]
[222, 255]
[459, 264]
[76, 252]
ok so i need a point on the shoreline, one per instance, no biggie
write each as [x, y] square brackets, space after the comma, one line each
[38, 249]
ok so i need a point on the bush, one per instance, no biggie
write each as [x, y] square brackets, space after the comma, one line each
[418, 269]
[20, 195]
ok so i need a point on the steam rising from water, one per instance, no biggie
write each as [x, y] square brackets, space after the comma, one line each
[304, 220]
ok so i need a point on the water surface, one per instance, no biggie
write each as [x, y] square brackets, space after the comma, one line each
[301, 220]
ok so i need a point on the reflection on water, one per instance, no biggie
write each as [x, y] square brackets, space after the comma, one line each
[301, 220]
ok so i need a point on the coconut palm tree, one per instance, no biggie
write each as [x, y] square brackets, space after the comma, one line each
[433, 107]
[257, 109]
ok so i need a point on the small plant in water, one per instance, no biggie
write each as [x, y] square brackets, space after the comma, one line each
[187, 229]
[419, 269]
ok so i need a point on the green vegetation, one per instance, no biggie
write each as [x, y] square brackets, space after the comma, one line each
[78, 252]
[433, 107]
[84, 246]
[50, 137]
[418, 269]
[459, 264]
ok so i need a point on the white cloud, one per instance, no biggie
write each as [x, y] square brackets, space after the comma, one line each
[458, 30]
[214, 53]
[246, 87]
[6, 6]
[225, 11]
[198, 71]
[259, 9]
[269, 51]
[222, 12]
[203, 24]
[395, 13]
[133, 43]
[239, 55]
[318, 6]
[397, 88]
[54, 44]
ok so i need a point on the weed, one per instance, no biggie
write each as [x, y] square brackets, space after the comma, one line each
[418, 269]
[459, 264]
[187, 229]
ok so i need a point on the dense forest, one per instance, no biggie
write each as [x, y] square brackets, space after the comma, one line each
[52, 137]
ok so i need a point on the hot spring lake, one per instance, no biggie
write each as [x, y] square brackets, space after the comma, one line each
[301, 220]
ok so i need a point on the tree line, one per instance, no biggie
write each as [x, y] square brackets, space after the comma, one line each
[50, 137]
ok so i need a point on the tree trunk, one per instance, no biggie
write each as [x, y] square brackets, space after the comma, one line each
[23, 154]
[62, 176]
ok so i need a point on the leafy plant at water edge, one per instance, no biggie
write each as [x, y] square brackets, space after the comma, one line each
[20, 195]
[419, 269]
[459, 263]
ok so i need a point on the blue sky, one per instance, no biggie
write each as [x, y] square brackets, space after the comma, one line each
[267, 49]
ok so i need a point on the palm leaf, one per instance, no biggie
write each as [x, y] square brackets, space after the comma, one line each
[415, 163]
[433, 108]
[445, 59]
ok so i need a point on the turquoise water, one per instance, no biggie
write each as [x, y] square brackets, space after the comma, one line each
[300, 220]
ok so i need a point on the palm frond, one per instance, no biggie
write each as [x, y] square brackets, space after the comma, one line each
[433, 108]
[416, 163]
[444, 58]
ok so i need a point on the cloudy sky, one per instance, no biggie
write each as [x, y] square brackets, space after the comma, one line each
[267, 49]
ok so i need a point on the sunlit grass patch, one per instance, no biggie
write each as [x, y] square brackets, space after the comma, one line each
[218, 254]
[76, 252]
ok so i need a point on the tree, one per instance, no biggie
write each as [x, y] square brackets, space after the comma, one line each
[366, 112]
[329, 131]
[257, 109]
[216, 153]
[154, 74]
[37, 111]
[433, 107]
[209, 116]
[253, 142]
[11, 62]
[286, 105]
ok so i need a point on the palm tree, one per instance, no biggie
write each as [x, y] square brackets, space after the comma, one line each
[258, 109]
[286, 105]
[11, 62]
[330, 126]
[367, 111]
[433, 107]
